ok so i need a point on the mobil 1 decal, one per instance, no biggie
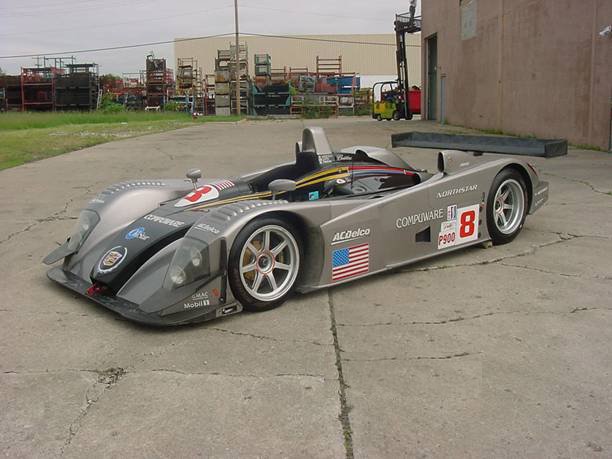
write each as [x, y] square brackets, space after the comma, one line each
[461, 226]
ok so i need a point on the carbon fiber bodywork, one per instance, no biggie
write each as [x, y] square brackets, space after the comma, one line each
[362, 199]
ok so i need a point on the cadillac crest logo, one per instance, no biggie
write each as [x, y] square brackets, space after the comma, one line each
[112, 259]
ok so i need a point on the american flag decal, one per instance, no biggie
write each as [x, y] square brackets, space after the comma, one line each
[223, 184]
[350, 261]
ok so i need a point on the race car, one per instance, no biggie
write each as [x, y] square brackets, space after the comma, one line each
[170, 252]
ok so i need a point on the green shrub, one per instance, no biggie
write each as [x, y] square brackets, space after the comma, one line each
[109, 105]
[171, 106]
[311, 112]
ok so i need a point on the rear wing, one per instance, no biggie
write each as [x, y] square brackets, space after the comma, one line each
[482, 144]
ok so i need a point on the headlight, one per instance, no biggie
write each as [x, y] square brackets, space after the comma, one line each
[196, 257]
[189, 264]
[88, 219]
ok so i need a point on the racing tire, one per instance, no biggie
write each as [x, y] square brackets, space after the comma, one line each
[396, 115]
[264, 263]
[506, 206]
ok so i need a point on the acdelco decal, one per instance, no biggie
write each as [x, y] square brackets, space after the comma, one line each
[350, 235]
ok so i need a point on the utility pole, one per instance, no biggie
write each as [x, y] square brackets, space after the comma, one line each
[237, 59]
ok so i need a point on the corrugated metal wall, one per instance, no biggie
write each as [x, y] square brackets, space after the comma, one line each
[366, 59]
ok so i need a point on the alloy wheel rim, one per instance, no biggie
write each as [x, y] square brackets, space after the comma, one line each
[269, 263]
[508, 206]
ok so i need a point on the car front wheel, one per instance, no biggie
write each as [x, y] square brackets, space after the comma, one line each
[264, 263]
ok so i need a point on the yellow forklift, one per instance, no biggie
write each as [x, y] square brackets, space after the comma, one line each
[397, 99]
[385, 101]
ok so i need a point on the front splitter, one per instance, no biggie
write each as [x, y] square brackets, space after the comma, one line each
[130, 310]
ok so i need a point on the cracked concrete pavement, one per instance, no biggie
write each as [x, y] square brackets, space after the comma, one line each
[499, 352]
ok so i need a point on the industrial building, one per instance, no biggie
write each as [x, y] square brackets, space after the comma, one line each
[370, 55]
[529, 67]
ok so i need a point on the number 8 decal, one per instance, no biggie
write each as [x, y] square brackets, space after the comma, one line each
[468, 220]
[461, 226]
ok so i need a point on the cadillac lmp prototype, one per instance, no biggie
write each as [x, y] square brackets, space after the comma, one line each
[169, 252]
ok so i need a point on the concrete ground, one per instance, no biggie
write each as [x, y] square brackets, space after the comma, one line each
[500, 352]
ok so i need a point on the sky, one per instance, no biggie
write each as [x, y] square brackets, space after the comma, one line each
[53, 26]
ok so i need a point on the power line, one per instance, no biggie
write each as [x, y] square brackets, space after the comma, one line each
[112, 48]
[165, 42]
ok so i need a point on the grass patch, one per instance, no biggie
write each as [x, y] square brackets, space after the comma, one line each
[26, 137]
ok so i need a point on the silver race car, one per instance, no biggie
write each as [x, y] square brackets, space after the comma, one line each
[169, 252]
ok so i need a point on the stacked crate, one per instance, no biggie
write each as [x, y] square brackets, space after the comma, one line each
[263, 70]
[263, 65]
[78, 89]
[189, 85]
[11, 84]
[222, 83]
[239, 73]
[133, 92]
[229, 73]
[38, 88]
[156, 81]
[273, 99]
[209, 93]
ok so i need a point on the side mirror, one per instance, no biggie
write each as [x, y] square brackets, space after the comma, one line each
[194, 175]
[281, 186]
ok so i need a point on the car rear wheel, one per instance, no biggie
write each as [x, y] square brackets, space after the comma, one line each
[506, 206]
[264, 264]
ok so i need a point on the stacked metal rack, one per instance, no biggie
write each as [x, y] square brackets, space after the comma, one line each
[78, 89]
[222, 83]
[270, 97]
[159, 82]
[328, 90]
[229, 73]
[239, 74]
[329, 67]
[132, 91]
[11, 86]
[209, 94]
[190, 86]
[263, 65]
[38, 88]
